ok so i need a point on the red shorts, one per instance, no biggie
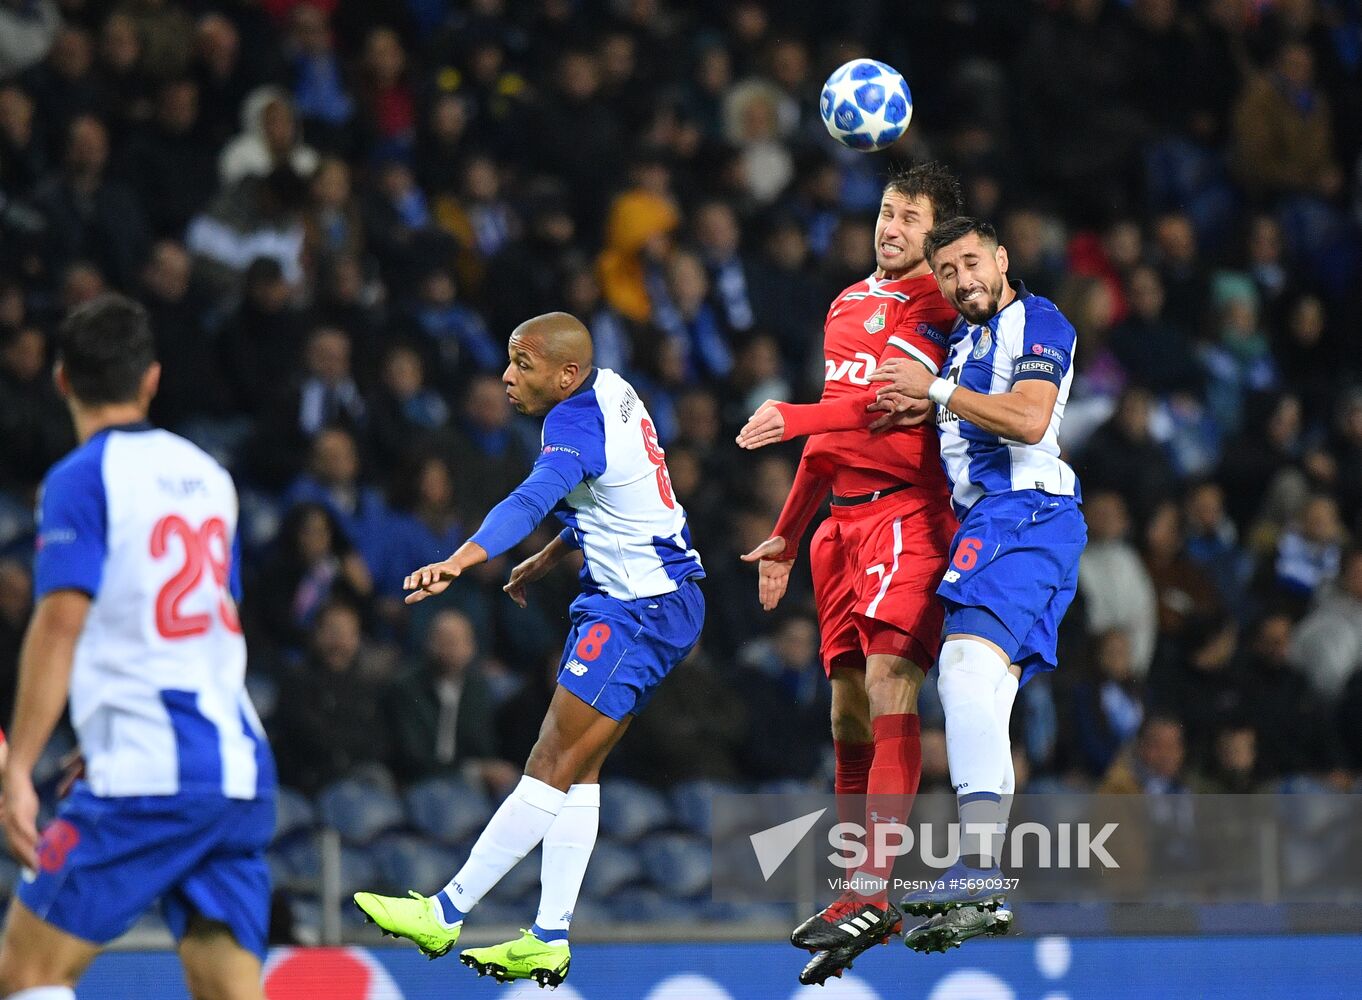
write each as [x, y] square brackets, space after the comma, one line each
[876, 567]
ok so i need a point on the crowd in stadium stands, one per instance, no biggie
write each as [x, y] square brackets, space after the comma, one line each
[336, 212]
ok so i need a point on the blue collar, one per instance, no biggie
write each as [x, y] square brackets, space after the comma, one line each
[134, 427]
[587, 385]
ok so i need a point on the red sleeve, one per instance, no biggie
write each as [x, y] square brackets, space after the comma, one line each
[845, 413]
[805, 497]
[922, 335]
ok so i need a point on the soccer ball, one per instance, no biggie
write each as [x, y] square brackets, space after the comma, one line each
[866, 105]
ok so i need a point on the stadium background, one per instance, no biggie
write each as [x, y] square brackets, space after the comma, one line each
[335, 212]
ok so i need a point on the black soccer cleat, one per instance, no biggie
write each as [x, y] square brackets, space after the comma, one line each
[850, 922]
[951, 929]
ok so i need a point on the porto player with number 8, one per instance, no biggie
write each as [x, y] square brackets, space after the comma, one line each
[640, 612]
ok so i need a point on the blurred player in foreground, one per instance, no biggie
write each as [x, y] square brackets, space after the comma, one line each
[1014, 561]
[136, 587]
[639, 614]
[877, 560]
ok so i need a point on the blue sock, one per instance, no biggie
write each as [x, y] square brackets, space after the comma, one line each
[557, 934]
[451, 913]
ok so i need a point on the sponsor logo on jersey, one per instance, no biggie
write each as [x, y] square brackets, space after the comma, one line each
[876, 322]
[952, 576]
[575, 667]
[1041, 365]
[856, 370]
[1048, 352]
[982, 345]
[549, 449]
[932, 333]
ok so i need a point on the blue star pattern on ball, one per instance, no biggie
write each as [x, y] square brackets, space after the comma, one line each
[866, 105]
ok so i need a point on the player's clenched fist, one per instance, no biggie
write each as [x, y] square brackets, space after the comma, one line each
[773, 573]
[904, 376]
[766, 426]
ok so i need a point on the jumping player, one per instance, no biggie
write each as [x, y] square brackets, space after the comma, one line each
[1014, 561]
[136, 581]
[877, 560]
[639, 614]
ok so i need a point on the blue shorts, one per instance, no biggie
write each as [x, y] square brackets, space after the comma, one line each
[618, 651]
[1013, 572]
[103, 861]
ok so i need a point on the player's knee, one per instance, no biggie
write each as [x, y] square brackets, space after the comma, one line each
[851, 724]
[967, 671]
[30, 968]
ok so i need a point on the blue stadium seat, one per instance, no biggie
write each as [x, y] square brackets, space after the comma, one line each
[301, 857]
[407, 862]
[677, 863]
[447, 809]
[692, 801]
[613, 866]
[732, 912]
[643, 906]
[359, 871]
[360, 811]
[293, 813]
[630, 809]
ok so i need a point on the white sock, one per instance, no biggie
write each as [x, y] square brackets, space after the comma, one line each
[1003, 697]
[567, 850]
[976, 746]
[45, 993]
[514, 830]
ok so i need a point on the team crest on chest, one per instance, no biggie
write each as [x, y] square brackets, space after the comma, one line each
[982, 345]
[876, 323]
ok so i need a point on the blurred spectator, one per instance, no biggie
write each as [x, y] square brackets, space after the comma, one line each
[1152, 763]
[404, 411]
[332, 220]
[440, 714]
[89, 214]
[223, 76]
[319, 89]
[332, 478]
[1123, 456]
[1184, 591]
[183, 345]
[387, 106]
[166, 35]
[458, 334]
[1327, 647]
[16, 603]
[167, 163]
[718, 240]
[269, 139]
[23, 156]
[1238, 361]
[1283, 128]
[1116, 588]
[1152, 350]
[27, 29]
[692, 322]
[1282, 708]
[1308, 551]
[262, 341]
[1109, 708]
[428, 527]
[1184, 274]
[328, 395]
[1269, 444]
[1207, 689]
[788, 702]
[1233, 767]
[785, 299]
[312, 563]
[483, 447]
[329, 719]
[65, 84]
[637, 239]
[33, 420]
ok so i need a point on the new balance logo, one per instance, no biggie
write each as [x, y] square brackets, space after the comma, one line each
[576, 667]
[952, 576]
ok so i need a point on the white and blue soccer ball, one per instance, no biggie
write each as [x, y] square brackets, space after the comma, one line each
[866, 105]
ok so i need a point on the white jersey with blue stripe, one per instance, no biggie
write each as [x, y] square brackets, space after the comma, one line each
[144, 522]
[623, 514]
[1029, 338]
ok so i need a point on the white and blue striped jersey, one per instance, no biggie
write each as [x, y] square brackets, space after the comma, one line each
[623, 513]
[1029, 338]
[145, 523]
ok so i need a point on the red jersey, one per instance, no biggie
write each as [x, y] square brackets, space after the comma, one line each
[870, 322]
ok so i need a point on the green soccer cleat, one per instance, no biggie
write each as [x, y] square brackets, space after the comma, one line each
[951, 929]
[416, 919]
[527, 957]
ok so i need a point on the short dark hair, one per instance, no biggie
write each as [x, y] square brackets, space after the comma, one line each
[945, 233]
[930, 180]
[105, 347]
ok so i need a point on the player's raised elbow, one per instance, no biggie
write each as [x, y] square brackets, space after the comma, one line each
[1033, 433]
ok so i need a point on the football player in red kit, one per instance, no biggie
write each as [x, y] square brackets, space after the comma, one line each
[877, 560]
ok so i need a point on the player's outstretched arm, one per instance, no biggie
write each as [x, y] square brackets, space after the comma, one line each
[775, 421]
[44, 682]
[536, 567]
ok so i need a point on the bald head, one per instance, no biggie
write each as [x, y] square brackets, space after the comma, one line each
[550, 358]
[560, 337]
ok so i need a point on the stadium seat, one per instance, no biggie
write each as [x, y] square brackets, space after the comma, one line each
[692, 801]
[643, 906]
[359, 870]
[630, 809]
[447, 809]
[293, 813]
[360, 811]
[677, 863]
[407, 862]
[613, 866]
